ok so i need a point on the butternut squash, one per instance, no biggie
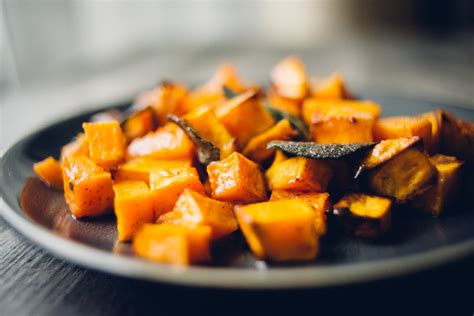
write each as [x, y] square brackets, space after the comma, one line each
[133, 207]
[139, 169]
[87, 187]
[167, 186]
[140, 123]
[106, 143]
[173, 244]
[435, 120]
[283, 104]
[289, 78]
[299, 174]
[168, 142]
[332, 87]
[256, 148]
[49, 171]
[78, 147]
[240, 114]
[236, 179]
[192, 209]
[279, 230]
[320, 202]
[457, 137]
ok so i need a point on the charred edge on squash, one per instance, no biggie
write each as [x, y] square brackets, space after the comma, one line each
[207, 150]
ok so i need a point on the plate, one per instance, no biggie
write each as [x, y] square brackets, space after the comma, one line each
[41, 215]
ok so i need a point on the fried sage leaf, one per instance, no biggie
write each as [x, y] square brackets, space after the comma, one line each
[297, 124]
[320, 151]
[207, 151]
[228, 92]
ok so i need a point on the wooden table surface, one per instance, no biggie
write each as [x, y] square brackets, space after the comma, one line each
[32, 282]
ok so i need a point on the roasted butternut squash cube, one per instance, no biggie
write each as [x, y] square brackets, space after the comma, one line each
[435, 120]
[320, 202]
[139, 169]
[106, 143]
[193, 209]
[340, 121]
[87, 187]
[364, 215]
[78, 147]
[240, 114]
[289, 78]
[172, 244]
[256, 148]
[457, 137]
[299, 174]
[168, 184]
[236, 179]
[332, 87]
[283, 104]
[140, 123]
[404, 176]
[168, 142]
[440, 194]
[205, 122]
[133, 207]
[279, 230]
[403, 126]
[49, 171]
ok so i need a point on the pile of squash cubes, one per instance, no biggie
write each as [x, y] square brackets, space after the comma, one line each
[181, 169]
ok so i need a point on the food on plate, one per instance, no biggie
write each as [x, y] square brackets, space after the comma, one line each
[186, 171]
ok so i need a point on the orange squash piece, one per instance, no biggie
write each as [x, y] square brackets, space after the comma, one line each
[340, 121]
[289, 78]
[49, 171]
[140, 168]
[320, 202]
[205, 122]
[286, 105]
[106, 143]
[139, 123]
[87, 187]
[167, 186]
[279, 230]
[236, 179]
[435, 119]
[168, 142]
[332, 87]
[256, 148]
[78, 147]
[192, 209]
[240, 114]
[457, 137]
[403, 126]
[173, 244]
[133, 207]
[299, 174]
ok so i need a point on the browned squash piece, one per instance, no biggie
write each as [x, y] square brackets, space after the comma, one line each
[256, 148]
[171, 244]
[167, 186]
[49, 171]
[205, 122]
[332, 87]
[87, 187]
[435, 120]
[283, 104]
[340, 121]
[211, 93]
[236, 179]
[133, 207]
[440, 194]
[299, 174]
[139, 123]
[457, 137]
[364, 215]
[241, 114]
[168, 142]
[192, 209]
[404, 176]
[320, 202]
[289, 78]
[106, 143]
[403, 126]
[139, 169]
[279, 230]
[167, 98]
[78, 147]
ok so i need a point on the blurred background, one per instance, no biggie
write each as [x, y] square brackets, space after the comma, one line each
[61, 57]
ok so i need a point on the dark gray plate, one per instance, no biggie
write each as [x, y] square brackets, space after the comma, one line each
[415, 242]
